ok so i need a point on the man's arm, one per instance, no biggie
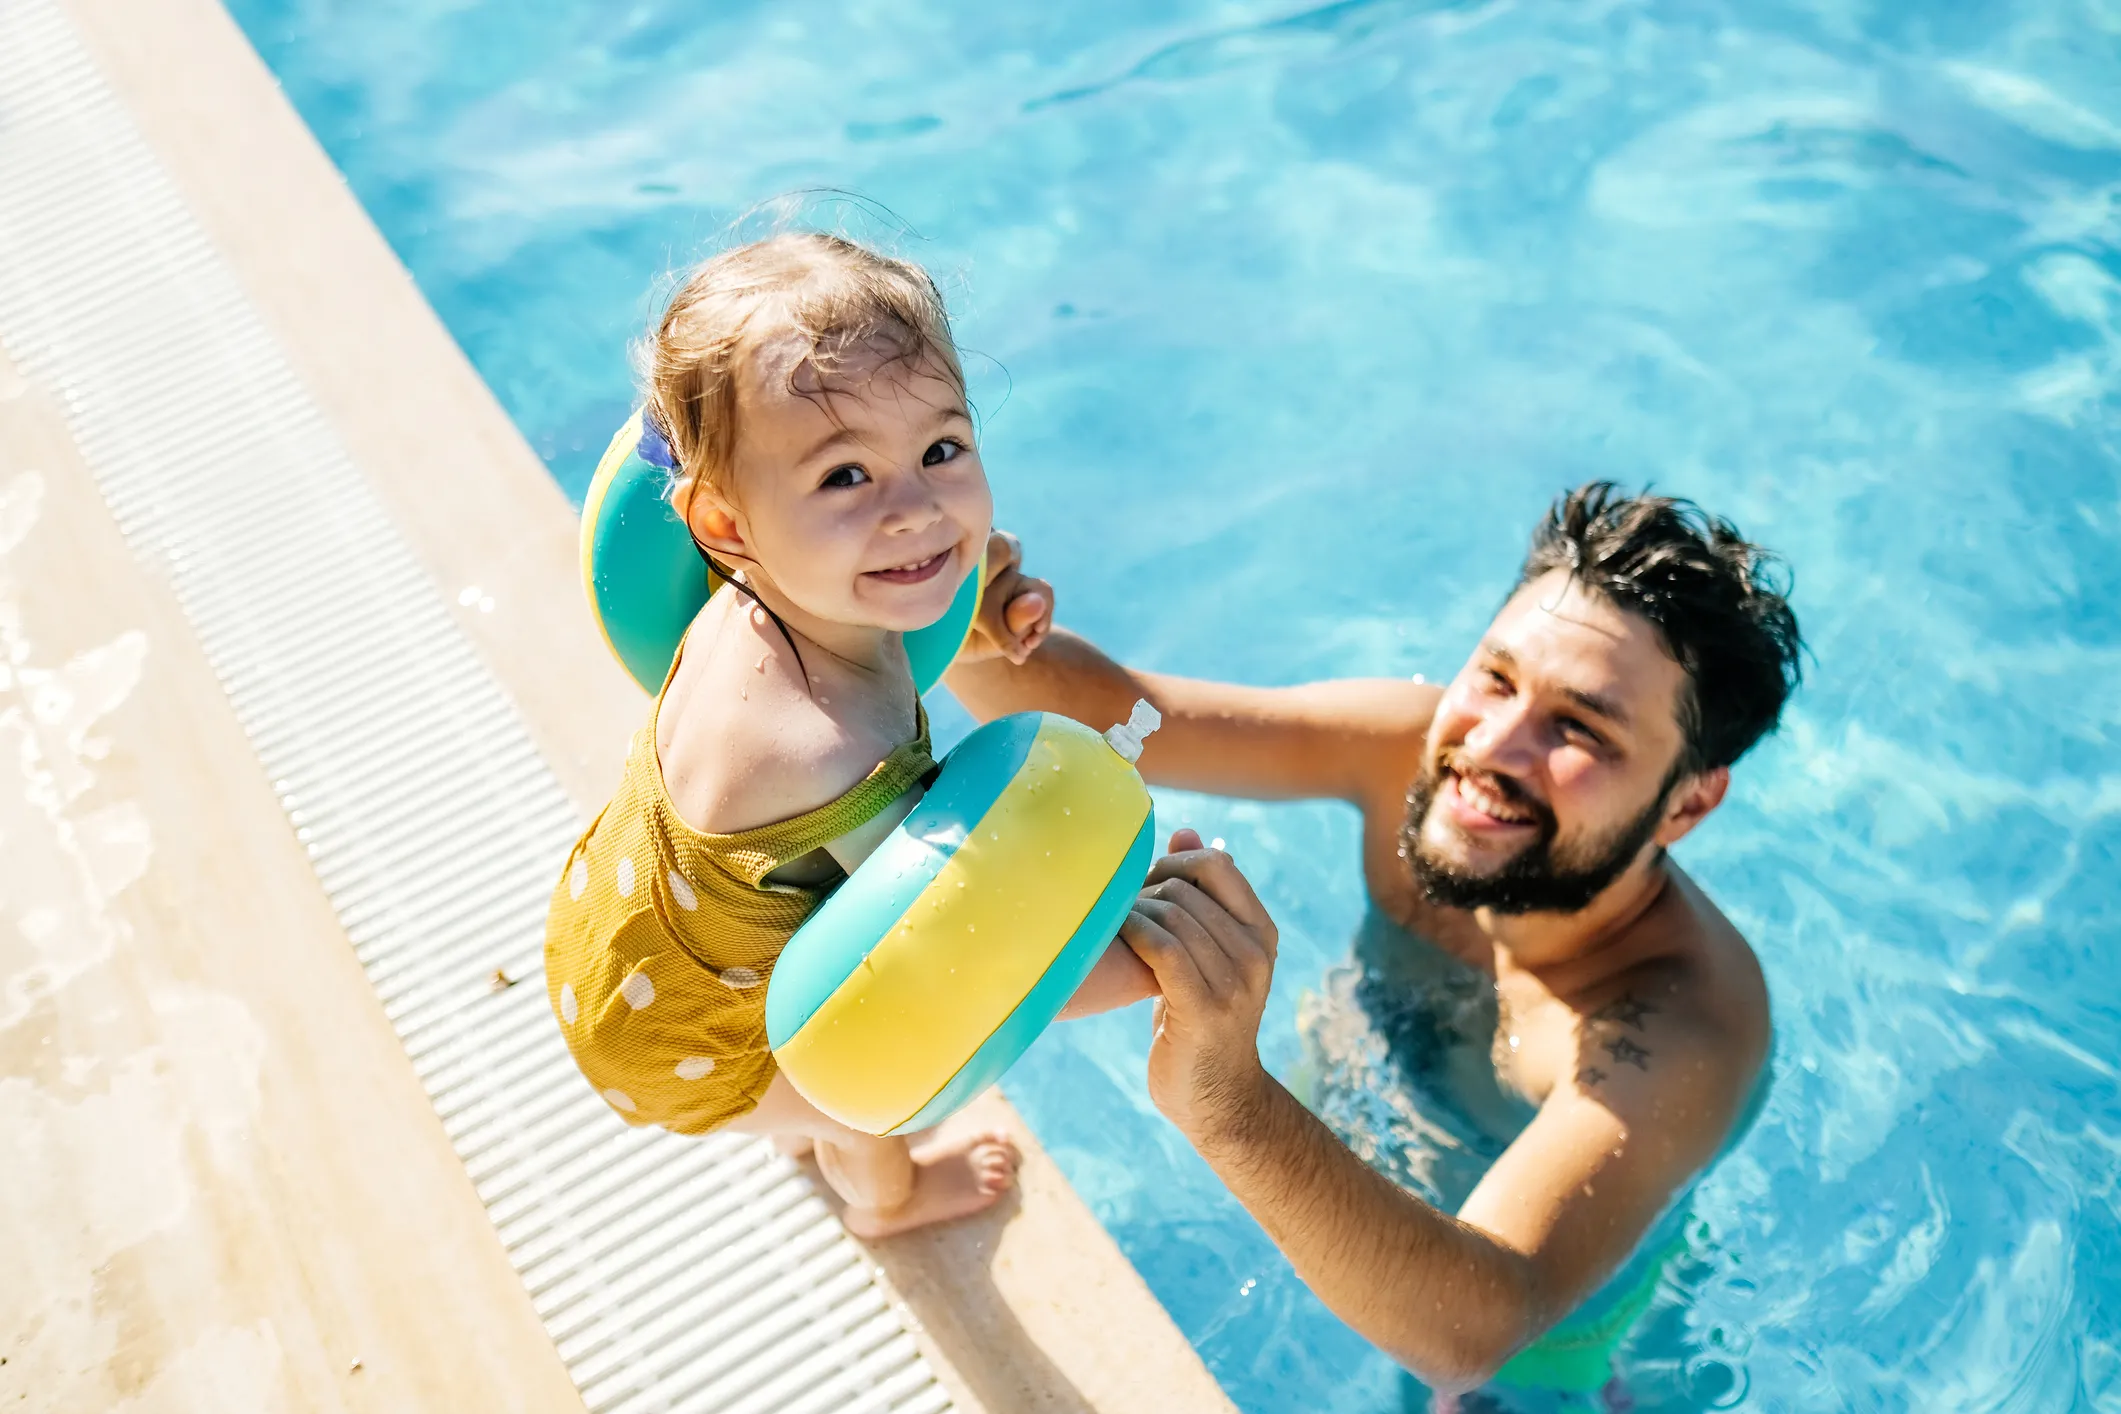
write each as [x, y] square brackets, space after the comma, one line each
[1335, 739]
[1450, 1298]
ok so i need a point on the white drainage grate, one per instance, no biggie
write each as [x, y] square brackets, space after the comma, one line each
[673, 1274]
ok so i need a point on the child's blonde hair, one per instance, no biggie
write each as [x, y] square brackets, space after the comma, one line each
[831, 293]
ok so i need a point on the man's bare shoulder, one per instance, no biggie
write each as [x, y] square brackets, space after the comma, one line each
[1683, 1034]
[1720, 974]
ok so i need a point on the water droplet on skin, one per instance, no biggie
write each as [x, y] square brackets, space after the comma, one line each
[744, 692]
[760, 666]
[1513, 1043]
[824, 702]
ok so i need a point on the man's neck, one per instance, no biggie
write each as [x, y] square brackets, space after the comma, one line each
[1544, 942]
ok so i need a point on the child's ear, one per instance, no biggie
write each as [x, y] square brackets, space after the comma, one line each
[713, 520]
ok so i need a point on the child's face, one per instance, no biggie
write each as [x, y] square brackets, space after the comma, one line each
[858, 494]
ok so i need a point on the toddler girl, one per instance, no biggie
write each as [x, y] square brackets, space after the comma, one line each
[815, 409]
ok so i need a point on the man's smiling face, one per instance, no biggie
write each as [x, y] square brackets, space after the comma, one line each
[1551, 762]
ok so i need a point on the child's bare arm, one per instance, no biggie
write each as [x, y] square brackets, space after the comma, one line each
[1016, 610]
[1119, 979]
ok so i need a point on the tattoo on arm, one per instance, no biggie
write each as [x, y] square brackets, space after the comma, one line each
[1607, 1028]
[1628, 1011]
[1626, 1052]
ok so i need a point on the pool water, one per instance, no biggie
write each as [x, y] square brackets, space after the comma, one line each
[1286, 324]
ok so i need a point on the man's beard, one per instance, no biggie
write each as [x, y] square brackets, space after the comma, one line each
[1536, 879]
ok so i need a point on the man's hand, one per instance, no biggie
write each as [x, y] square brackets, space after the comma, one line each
[1203, 932]
[1015, 612]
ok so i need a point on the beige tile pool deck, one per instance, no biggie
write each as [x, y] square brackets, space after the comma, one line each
[222, 1187]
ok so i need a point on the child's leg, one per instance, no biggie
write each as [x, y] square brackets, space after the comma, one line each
[957, 1171]
[890, 1186]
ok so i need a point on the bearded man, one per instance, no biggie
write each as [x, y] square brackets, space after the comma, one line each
[1515, 829]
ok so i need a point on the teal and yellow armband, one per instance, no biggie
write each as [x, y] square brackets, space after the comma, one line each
[942, 958]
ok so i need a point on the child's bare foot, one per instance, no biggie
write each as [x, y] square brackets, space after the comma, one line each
[955, 1174]
[793, 1146]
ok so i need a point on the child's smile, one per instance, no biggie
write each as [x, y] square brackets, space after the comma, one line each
[919, 572]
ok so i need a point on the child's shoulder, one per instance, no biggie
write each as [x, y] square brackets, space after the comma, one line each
[742, 739]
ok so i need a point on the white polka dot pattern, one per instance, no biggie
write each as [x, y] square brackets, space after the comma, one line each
[578, 878]
[676, 1035]
[568, 1010]
[619, 1100]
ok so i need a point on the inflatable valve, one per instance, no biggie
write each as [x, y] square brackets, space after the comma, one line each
[1127, 737]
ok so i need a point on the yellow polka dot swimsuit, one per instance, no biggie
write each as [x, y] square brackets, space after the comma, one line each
[661, 939]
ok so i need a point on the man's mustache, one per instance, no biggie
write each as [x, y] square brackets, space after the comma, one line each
[1510, 789]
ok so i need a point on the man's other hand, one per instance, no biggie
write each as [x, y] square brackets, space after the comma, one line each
[1202, 931]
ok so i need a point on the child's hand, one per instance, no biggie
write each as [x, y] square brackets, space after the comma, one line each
[1015, 612]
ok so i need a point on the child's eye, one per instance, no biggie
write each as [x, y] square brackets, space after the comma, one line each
[948, 449]
[843, 476]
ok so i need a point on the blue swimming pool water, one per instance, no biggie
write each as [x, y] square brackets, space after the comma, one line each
[1290, 321]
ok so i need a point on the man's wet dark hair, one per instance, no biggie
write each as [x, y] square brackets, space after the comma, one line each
[1718, 600]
